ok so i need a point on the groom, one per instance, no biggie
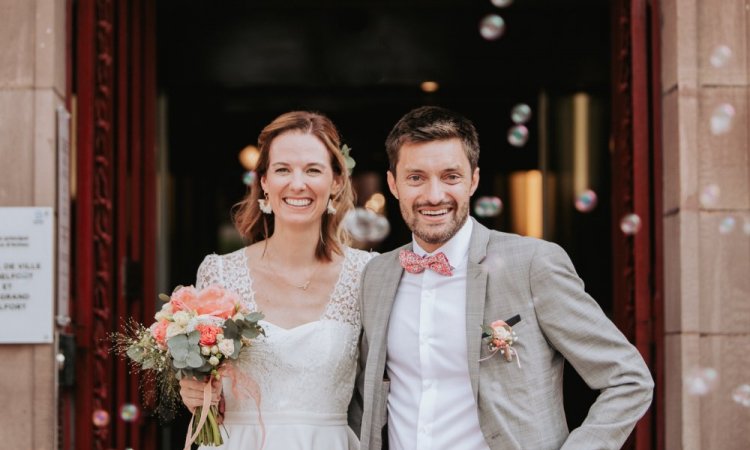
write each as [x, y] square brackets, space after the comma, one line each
[422, 385]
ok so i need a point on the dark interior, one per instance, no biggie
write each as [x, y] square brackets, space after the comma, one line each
[228, 68]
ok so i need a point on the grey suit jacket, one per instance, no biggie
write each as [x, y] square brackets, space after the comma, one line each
[518, 408]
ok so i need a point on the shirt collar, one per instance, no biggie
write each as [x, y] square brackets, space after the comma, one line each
[457, 247]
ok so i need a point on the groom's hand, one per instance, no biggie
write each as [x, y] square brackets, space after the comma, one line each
[191, 391]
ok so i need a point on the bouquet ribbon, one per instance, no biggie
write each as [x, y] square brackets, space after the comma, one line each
[190, 438]
[240, 381]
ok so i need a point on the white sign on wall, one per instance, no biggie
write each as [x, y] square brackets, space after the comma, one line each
[26, 275]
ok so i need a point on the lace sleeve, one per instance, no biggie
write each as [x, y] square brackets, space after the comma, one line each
[344, 305]
[208, 272]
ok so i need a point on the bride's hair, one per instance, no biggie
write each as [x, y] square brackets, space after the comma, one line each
[255, 226]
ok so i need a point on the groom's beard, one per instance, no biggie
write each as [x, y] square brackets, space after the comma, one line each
[436, 234]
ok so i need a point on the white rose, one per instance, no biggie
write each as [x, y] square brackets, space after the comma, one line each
[213, 360]
[182, 318]
[163, 315]
[219, 337]
[205, 351]
[214, 349]
[192, 323]
[226, 347]
[173, 329]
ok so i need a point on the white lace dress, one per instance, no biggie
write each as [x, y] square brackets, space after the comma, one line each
[306, 374]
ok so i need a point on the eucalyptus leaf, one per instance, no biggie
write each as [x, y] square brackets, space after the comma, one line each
[254, 317]
[180, 353]
[231, 329]
[250, 333]
[194, 360]
[177, 341]
[237, 348]
[194, 337]
[179, 363]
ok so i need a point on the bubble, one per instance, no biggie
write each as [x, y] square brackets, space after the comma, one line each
[129, 412]
[741, 395]
[721, 120]
[720, 56]
[586, 201]
[727, 225]
[701, 380]
[100, 418]
[521, 113]
[488, 206]
[502, 3]
[518, 135]
[630, 224]
[492, 27]
[710, 195]
[365, 225]
[248, 178]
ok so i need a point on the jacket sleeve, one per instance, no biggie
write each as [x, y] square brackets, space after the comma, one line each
[356, 405]
[574, 324]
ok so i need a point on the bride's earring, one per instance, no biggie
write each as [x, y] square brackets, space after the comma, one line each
[330, 209]
[264, 205]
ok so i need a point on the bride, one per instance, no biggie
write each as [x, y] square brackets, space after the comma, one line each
[300, 274]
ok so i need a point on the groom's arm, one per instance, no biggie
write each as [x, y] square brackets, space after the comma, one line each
[576, 326]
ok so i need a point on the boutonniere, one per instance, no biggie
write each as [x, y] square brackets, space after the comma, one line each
[500, 337]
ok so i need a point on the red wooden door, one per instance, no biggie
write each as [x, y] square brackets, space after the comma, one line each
[637, 189]
[114, 96]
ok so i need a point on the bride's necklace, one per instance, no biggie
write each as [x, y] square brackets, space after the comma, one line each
[302, 286]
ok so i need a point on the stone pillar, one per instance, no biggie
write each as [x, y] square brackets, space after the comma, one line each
[706, 187]
[32, 85]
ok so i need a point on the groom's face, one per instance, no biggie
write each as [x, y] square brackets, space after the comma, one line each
[433, 184]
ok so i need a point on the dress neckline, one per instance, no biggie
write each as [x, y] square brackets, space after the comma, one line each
[336, 286]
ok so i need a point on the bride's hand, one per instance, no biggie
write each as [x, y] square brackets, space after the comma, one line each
[191, 391]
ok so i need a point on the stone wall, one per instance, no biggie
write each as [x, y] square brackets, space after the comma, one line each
[32, 85]
[706, 220]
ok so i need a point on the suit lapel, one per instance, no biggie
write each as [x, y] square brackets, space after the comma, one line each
[391, 279]
[476, 287]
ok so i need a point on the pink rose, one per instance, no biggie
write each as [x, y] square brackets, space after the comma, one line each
[183, 299]
[498, 324]
[159, 331]
[208, 333]
[212, 300]
[218, 302]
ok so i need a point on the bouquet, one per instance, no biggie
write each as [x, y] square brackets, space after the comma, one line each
[197, 333]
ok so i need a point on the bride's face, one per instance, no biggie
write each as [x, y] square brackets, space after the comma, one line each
[299, 180]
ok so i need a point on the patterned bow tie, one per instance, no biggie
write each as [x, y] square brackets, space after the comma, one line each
[414, 263]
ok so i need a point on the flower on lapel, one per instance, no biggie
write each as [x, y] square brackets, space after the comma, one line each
[500, 337]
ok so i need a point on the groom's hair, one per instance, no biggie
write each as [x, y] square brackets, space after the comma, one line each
[432, 123]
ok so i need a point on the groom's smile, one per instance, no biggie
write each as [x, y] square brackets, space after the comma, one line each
[433, 183]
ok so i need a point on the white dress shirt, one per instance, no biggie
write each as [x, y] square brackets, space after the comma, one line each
[431, 405]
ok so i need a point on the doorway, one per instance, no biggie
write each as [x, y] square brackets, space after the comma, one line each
[224, 72]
